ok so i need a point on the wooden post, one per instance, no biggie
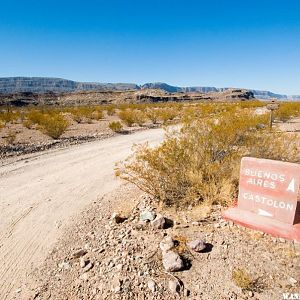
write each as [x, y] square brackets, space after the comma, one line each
[271, 119]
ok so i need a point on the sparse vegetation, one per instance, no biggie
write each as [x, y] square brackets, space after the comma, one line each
[115, 126]
[287, 111]
[242, 279]
[201, 162]
[10, 138]
[54, 125]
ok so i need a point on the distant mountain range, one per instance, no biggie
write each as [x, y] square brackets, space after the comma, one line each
[58, 85]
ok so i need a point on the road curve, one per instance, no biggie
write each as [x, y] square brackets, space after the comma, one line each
[40, 194]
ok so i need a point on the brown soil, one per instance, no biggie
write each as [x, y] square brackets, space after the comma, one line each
[129, 253]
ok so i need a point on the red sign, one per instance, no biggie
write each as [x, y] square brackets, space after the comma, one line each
[268, 197]
[269, 188]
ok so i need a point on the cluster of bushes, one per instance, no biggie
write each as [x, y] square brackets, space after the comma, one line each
[52, 122]
[287, 111]
[85, 114]
[200, 163]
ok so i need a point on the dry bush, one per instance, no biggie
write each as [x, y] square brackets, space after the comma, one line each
[9, 116]
[85, 114]
[287, 111]
[131, 117]
[54, 125]
[168, 114]
[153, 114]
[1, 126]
[251, 104]
[116, 126]
[201, 162]
[33, 117]
[242, 279]
[10, 138]
[110, 109]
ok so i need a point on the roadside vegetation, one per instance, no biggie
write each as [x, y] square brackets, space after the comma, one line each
[200, 162]
[55, 121]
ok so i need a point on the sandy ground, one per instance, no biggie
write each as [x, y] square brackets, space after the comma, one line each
[39, 195]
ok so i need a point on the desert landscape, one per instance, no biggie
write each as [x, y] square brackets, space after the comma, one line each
[149, 150]
[105, 238]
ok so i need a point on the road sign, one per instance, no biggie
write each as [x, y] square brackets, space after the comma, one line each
[268, 197]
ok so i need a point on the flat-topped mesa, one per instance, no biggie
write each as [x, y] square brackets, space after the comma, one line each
[12, 85]
[118, 96]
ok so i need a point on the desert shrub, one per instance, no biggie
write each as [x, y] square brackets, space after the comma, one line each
[153, 114]
[251, 104]
[115, 126]
[85, 114]
[130, 117]
[1, 126]
[201, 162]
[168, 114]
[242, 279]
[287, 111]
[54, 125]
[111, 110]
[10, 138]
[9, 116]
[33, 117]
[127, 116]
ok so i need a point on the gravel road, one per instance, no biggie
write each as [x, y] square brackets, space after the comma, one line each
[39, 196]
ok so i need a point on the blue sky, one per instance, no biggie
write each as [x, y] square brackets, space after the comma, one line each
[251, 44]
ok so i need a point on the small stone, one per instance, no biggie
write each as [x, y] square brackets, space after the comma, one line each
[197, 245]
[18, 290]
[84, 277]
[292, 281]
[166, 244]
[116, 285]
[88, 267]
[64, 265]
[251, 294]
[147, 215]
[195, 223]
[159, 222]
[152, 285]
[82, 262]
[174, 286]
[281, 240]
[79, 253]
[172, 262]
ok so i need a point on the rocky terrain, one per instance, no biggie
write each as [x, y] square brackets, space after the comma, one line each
[13, 85]
[135, 250]
[117, 97]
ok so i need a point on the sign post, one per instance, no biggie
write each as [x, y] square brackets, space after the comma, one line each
[268, 198]
[273, 105]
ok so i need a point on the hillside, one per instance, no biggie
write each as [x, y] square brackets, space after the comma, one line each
[11, 85]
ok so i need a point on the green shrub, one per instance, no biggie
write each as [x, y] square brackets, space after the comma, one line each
[115, 126]
[131, 117]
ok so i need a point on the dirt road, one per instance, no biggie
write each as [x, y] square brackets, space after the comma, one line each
[38, 196]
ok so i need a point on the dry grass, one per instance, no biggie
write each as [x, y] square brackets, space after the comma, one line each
[287, 111]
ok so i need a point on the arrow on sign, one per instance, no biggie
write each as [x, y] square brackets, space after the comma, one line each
[264, 213]
[291, 186]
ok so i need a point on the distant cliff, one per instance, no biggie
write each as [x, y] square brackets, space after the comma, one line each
[56, 85]
[10, 85]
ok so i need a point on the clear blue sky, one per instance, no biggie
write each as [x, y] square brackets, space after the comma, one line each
[242, 43]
